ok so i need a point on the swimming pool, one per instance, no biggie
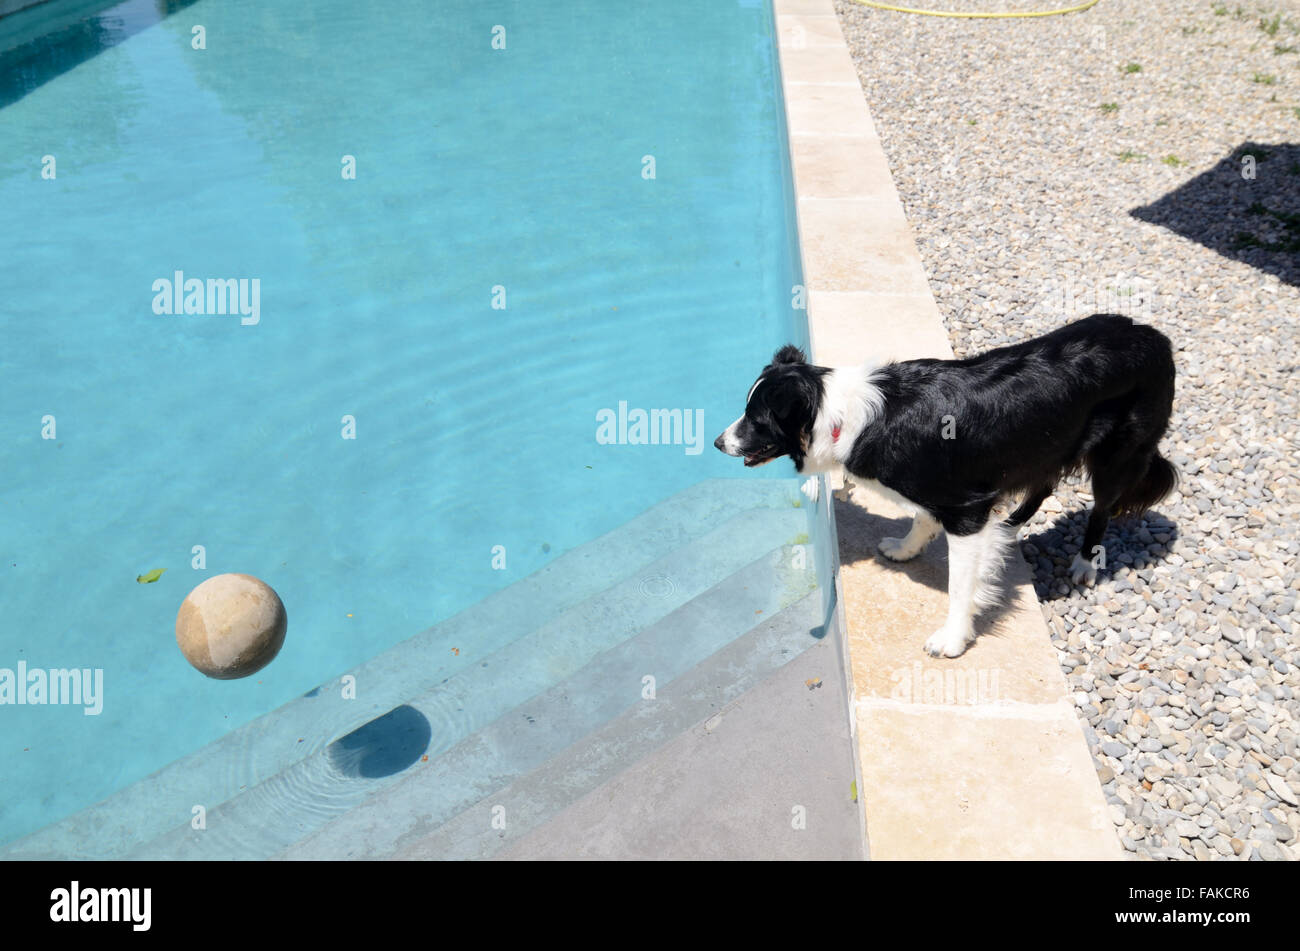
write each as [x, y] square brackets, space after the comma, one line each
[474, 240]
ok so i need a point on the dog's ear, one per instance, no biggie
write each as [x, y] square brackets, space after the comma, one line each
[788, 354]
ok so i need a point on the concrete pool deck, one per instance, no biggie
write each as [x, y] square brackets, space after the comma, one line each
[981, 757]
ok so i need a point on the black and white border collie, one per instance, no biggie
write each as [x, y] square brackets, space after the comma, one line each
[948, 439]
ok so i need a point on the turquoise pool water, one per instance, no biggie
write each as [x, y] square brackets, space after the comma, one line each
[515, 176]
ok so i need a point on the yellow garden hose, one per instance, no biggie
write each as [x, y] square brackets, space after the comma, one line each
[981, 16]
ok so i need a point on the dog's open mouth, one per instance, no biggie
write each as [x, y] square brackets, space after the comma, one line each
[766, 454]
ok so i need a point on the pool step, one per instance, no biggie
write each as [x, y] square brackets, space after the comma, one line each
[501, 784]
[669, 554]
[576, 671]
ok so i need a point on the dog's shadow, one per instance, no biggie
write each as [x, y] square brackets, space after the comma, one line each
[1134, 543]
[860, 532]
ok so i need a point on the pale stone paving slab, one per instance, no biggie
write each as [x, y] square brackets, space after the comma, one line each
[978, 757]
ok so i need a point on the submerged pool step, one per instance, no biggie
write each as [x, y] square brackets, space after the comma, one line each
[265, 749]
[593, 657]
[505, 782]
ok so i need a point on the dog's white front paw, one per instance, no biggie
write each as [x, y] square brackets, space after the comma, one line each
[898, 549]
[948, 642]
[811, 488]
[1082, 570]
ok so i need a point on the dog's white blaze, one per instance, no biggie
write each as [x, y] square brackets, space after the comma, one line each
[749, 396]
[730, 445]
[850, 401]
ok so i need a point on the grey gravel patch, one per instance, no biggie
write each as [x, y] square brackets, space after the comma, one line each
[1028, 155]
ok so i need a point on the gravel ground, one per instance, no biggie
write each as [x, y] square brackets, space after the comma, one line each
[1138, 158]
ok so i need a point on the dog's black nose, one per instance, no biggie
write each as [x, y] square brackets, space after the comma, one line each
[717, 443]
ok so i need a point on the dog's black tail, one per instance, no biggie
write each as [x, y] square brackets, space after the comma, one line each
[1157, 482]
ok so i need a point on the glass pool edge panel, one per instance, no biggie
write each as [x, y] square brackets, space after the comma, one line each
[821, 516]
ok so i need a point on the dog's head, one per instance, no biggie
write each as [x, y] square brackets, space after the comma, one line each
[779, 412]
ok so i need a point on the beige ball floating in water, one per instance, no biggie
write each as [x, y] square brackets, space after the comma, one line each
[231, 626]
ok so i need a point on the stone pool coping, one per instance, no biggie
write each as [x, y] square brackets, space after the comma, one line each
[1008, 776]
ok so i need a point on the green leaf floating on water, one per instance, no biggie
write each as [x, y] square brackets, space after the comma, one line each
[151, 577]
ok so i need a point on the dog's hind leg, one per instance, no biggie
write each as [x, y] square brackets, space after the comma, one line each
[1111, 476]
[1083, 570]
[1119, 487]
[1128, 473]
[924, 529]
[1107, 486]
